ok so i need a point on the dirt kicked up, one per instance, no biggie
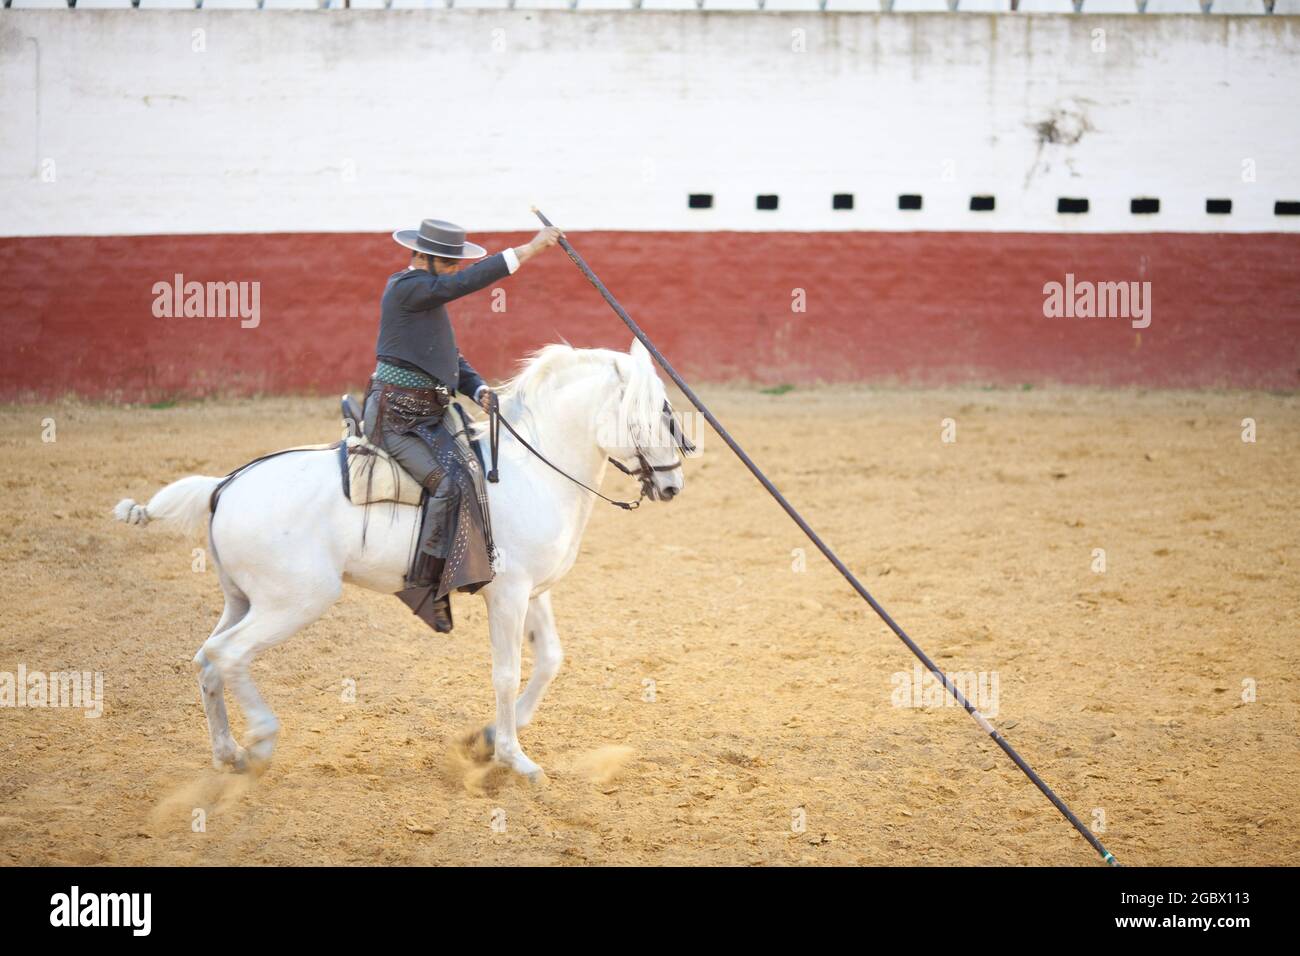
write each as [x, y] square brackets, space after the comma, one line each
[1115, 574]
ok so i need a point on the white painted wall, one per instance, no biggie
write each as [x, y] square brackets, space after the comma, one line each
[364, 120]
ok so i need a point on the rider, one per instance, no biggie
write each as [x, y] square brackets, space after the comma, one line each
[418, 369]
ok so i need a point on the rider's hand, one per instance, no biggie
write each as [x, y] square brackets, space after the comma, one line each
[546, 238]
[540, 243]
[485, 399]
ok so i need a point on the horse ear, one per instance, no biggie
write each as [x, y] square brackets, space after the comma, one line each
[639, 352]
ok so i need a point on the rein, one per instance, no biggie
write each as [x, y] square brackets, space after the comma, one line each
[496, 419]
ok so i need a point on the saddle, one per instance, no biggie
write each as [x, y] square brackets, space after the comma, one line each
[370, 474]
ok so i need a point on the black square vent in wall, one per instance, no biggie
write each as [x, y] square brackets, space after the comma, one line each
[1286, 207]
[1065, 204]
[981, 203]
[1144, 206]
[700, 201]
[842, 201]
[1218, 207]
[909, 201]
[765, 202]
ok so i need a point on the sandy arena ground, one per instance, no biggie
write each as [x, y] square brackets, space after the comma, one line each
[771, 688]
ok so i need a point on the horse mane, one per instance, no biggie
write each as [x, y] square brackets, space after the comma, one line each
[552, 365]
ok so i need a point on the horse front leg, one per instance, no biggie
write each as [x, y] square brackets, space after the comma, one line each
[507, 608]
[539, 625]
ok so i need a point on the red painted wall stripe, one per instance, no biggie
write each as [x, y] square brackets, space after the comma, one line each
[912, 308]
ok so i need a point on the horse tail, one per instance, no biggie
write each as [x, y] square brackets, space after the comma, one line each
[182, 506]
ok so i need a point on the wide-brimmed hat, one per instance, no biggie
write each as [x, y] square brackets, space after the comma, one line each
[436, 237]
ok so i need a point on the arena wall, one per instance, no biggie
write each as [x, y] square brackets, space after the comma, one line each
[282, 148]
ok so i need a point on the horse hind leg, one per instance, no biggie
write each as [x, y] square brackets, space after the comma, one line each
[225, 752]
[232, 653]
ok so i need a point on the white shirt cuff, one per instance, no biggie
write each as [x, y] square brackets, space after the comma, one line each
[478, 393]
[512, 260]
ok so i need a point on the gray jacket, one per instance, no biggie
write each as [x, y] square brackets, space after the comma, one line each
[414, 327]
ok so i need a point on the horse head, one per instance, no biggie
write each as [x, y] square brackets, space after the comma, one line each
[638, 431]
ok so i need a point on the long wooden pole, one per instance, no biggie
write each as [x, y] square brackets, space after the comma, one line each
[830, 555]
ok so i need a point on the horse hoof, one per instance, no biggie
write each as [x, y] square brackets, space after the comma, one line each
[478, 746]
[537, 778]
[255, 767]
[236, 760]
[518, 763]
[257, 757]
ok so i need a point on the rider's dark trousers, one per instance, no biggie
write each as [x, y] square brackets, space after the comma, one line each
[436, 451]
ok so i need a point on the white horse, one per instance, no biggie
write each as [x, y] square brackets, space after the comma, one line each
[284, 537]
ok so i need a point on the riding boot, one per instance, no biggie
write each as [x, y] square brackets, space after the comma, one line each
[442, 614]
[420, 592]
[439, 607]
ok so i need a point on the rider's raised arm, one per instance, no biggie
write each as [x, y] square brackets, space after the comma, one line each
[423, 290]
[427, 291]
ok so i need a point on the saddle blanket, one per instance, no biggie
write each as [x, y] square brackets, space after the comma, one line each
[372, 475]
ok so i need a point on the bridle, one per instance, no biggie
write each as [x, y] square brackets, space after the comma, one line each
[644, 472]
